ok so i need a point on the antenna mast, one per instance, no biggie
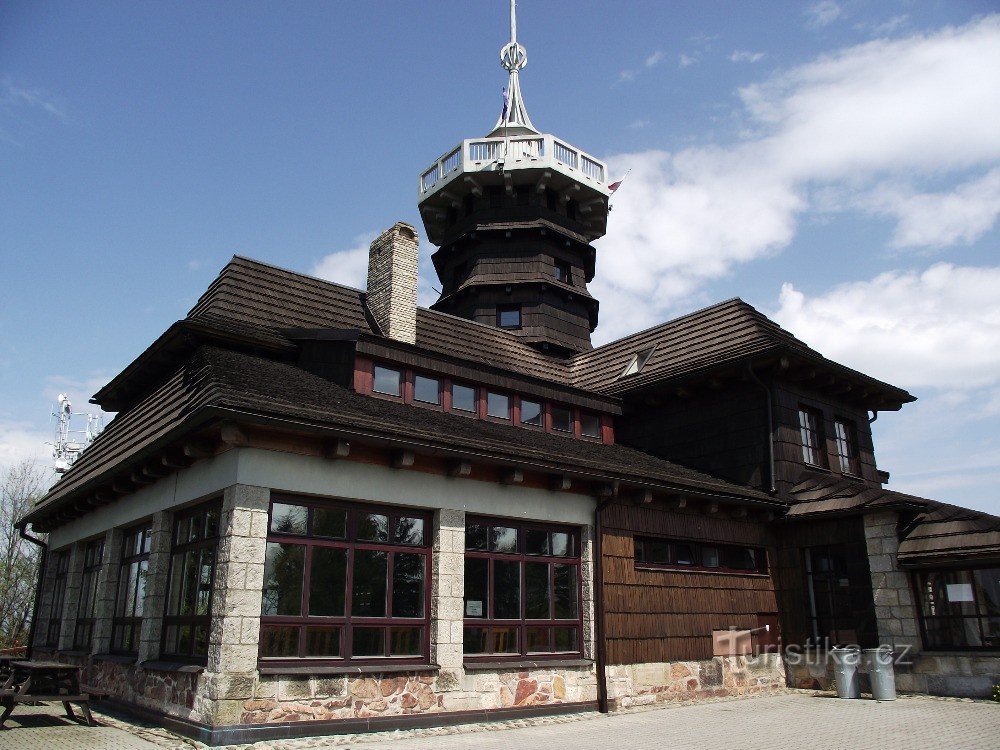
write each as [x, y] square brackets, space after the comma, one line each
[69, 443]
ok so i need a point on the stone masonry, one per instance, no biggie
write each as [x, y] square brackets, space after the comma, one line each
[155, 602]
[392, 282]
[895, 611]
[71, 602]
[107, 588]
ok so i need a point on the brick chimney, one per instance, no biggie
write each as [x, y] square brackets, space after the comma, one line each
[392, 282]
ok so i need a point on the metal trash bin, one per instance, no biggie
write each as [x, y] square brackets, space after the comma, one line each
[845, 671]
[879, 663]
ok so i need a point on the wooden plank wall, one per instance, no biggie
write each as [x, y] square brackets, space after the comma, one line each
[721, 432]
[789, 572]
[658, 615]
[788, 442]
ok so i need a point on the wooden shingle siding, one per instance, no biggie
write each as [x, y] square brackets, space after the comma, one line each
[657, 615]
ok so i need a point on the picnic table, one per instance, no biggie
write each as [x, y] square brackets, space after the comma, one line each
[43, 681]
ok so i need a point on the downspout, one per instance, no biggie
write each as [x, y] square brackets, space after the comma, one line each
[38, 588]
[873, 417]
[770, 429]
[602, 657]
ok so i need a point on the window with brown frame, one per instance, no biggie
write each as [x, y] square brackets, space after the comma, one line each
[682, 554]
[60, 570]
[345, 583]
[960, 609]
[838, 584]
[811, 434]
[845, 437]
[83, 633]
[189, 593]
[131, 594]
[522, 590]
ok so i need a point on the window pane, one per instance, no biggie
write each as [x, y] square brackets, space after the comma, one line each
[370, 574]
[323, 642]
[498, 405]
[276, 640]
[531, 413]
[562, 418]
[196, 528]
[409, 530]
[565, 592]
[740, 558]
[505, 641]
[988, 589]
[373, 527]
[211, 528]
[404, 642]
[536, 542]
[408, 585]
[283, 574]
[137, 607]
[566, 639]
[476, 535]
[288, 519]
[562, 544]
[685, 555]
[463, 397]
[477, 586]
[710, 557]
[388, 381]
[590, 424]
[655, 551]
[506, 590]
[327, 582]
[503, 539]
[538, 639]
[536, 584]
[509, 317]
[368, 642]
[330, 522]
[427, 389]
[474, 641]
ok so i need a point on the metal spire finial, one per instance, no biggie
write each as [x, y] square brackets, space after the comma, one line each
[513, 57]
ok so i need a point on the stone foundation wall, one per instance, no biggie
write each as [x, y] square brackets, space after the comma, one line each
[171, 693]
[954, 675]
[292, 698]
[723, 676]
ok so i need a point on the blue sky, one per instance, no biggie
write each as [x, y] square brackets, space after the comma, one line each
[834, 163]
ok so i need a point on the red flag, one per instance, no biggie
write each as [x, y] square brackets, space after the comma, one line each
[615, 185]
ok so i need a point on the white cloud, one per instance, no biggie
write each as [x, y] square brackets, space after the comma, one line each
[638, 124]
[742, 55]
[12, 95]
[626, 76]
[940, 219]
[937, 329]
[685, 61]
[861, 123]
[822, 13]
[21, 440]
[348, 267]
[654, 59]
[882, 28]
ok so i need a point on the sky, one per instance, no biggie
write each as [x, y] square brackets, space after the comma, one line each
[835, 163]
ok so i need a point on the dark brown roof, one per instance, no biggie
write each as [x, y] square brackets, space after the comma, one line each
[937, 533]
[220, 383]
[719, 336]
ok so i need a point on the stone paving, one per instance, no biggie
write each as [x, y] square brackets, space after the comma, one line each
[785, 722]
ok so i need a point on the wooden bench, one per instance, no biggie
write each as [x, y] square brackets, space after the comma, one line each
[52, 682]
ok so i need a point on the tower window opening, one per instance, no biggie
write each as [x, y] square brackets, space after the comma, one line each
[637, 362]
[551, 199]
[571, 207]
[564, 272]
[469, 203]
[523, 195]
[509, 316]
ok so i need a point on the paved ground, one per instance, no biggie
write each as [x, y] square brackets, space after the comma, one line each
[786, 722]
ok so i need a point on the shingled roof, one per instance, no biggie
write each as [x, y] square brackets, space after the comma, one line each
[723, 335]
[226, 384]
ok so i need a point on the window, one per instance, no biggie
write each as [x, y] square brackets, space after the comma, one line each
[562, 418]
[840, 596]
[960, 608]
[638, 361]
[131, 590]
[811, 433]
[522, 590]
[531, 413]
[590, 425]
[845, 436]
[427, 390]
[189, 593]
[463, 397]
[509, 316]
[564, 272]
[86, 614]
[60, 569]
[345, 583]
[388, 381]
[498, 405]
[687, 555]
